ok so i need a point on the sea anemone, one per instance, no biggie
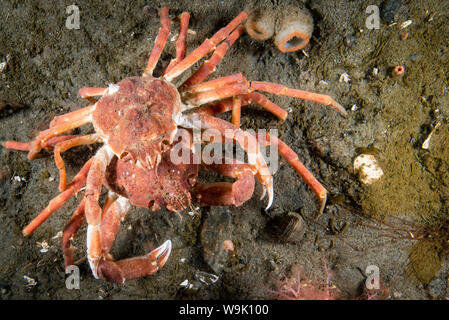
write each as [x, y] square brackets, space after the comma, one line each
[260, 25]
[398, 71]
[290, 26]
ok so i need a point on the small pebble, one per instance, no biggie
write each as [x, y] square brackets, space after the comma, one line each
[344, 77]
[414, 57]
[227, 245]
[406, 24]
[30, 281]
[404, 35]
[4, 173]
[206, 278]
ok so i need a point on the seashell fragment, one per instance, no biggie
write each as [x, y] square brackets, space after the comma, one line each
[289, 227]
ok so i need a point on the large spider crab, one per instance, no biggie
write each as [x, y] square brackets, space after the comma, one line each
[138, 120]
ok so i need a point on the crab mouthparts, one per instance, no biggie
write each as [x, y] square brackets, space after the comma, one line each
[146, 157]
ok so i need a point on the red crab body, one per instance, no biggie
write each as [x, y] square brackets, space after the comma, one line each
[167, 185]
[138, 120]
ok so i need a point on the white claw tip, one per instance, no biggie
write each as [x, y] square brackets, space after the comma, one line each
[164, 249]
[166, 246]
[270, 198]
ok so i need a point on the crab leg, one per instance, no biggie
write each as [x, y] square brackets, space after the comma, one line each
[64, 146]
[93, 210]
[40, 140]
[292, 158]
[236, 110]
[69, 233]
[208, 66]
[59, 125]
[47, 138]
[88, 92]
[105, 227]
[59, 200]
[181, 41]
[227, 104]
[207, 46]
[223, 90]
[161, 40]
[25, 146]
[110, 221]
[226, 193]
[72, 116]
[119, 271]
[73, 226]
[268, 105]
[246, 140]
[281, 90]
[213, 84]
[221, 106]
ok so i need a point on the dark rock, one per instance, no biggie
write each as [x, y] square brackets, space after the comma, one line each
[149, 11]
[8, 108]
[393, 11]
[5, 289]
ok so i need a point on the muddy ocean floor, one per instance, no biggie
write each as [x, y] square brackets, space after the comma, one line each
[398, 224]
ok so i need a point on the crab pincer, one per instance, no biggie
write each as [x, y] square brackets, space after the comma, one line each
[132, 268]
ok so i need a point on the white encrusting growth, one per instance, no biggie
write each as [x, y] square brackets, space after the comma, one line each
[123, 203]
[112, 88]
[368, 168]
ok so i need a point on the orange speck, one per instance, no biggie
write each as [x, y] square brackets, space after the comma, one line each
[227, 246]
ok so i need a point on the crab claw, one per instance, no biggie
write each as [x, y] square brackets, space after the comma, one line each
[161, 254]
[132, 268]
